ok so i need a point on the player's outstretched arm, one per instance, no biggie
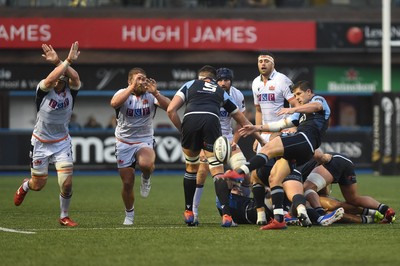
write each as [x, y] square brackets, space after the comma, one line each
[62, 67]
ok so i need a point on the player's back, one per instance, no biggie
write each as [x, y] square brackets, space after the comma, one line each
[203, 97]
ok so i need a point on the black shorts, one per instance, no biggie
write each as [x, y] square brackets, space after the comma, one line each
[264, 171]
[342, 170]
[297, 148]
[295, 175]
[199, 131]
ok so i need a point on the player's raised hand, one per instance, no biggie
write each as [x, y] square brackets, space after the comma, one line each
[50, 54]
[151, 85]
[73, 52]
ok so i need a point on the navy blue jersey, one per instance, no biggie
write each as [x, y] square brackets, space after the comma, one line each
[314, 125]
[203, 97]
[243, 209]
[342, 169]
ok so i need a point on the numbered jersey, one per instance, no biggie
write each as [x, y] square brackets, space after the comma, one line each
[205, 98]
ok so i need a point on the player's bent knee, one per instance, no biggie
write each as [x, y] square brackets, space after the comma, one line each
[237, 160]
[317, 180]
[39, 173]
[192, 160]
[213, 162]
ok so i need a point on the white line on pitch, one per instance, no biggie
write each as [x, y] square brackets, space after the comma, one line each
[15, 231]
[111, 228]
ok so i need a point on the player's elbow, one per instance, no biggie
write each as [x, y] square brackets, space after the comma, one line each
[114, 104]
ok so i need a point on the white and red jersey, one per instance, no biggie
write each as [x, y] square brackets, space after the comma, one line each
[225, 118]
[271, 95]
[54, 111]
[135, 118]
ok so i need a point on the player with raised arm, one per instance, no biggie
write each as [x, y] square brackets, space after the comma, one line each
[51, 142]
[312, 120]
[135, 108]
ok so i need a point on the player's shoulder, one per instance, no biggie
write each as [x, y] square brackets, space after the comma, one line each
[282, 77]
[120, 90]
[235, 91]
[257, 79]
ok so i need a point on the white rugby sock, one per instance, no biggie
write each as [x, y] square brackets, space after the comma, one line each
[64, 205]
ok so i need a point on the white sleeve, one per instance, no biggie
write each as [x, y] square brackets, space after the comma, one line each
[279, 125]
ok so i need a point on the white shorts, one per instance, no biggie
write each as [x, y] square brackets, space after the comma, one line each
[43, 153]
[126, 153]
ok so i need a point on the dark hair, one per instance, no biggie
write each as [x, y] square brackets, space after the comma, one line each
[208, 71]
[266, 53]
[224, 73]
[302, 85]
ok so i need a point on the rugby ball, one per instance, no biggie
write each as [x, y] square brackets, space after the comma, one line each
[222, 149]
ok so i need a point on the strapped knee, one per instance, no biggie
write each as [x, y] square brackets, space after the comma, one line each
[317, 180]
[237, 160]
[213, 162]
[39, 173]
[309, 191]
[192, 160]
[64, 170]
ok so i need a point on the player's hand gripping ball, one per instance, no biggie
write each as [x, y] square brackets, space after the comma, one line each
[222, 149]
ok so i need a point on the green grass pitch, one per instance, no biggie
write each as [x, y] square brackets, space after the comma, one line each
[31, 235]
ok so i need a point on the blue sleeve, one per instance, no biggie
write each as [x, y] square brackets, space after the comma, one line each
[186, 86]
[325, 106]
[295, 118]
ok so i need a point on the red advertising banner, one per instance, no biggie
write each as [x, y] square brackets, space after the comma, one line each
[158, 34]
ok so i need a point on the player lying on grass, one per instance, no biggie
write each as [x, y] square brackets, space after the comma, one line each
[352, 214]
[337, 168]
[244, 209]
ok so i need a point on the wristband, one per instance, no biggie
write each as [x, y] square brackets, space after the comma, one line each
[69, 61]
[59, 62]
[65, 63]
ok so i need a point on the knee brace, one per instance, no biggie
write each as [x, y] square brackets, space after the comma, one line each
[192, 160]
[237, 160]
[309, 191]
[39, 173]
[213, 162]
[317, 180]
[64, 170]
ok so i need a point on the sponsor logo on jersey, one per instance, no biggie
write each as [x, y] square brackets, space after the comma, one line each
[266, 97]
[59, 105]
[139, 112]
[223, 113]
